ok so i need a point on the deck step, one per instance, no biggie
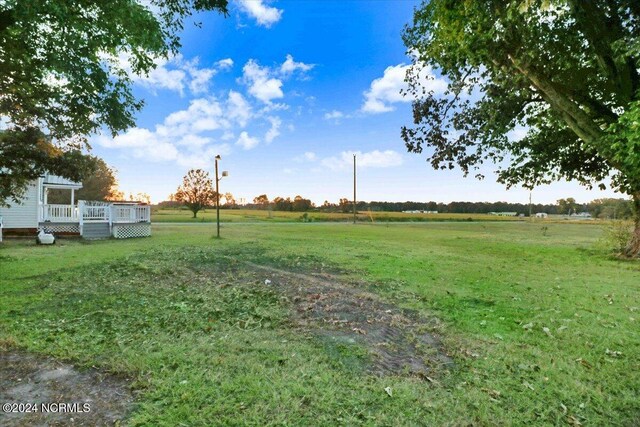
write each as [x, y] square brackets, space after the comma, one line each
[96, 230]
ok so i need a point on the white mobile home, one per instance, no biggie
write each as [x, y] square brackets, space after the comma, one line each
[86, 218]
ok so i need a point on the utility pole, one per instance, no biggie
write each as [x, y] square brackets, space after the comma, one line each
[530, 205]
[217, 199]
[354, 188]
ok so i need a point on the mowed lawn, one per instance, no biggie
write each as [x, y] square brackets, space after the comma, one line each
[543, 325]
[260, 215]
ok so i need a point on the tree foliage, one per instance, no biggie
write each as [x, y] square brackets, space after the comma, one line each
[98, 183]
[564, 70]
[61, 70]
[27, 154]
[60, 59]
[611, 208]
[262, 200]
[567, 206]
[346, 205]
[298, 204]
[196, 191]
[230, 201]
[140, 197]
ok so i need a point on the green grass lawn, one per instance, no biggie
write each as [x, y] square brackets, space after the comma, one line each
[258, 215]
[542, 323]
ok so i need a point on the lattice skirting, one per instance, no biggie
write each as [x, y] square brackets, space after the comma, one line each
[125, 231]
[61, 227]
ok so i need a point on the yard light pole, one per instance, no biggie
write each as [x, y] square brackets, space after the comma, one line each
[354, 188]
[218, 178]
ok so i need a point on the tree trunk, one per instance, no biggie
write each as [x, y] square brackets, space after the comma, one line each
[577, 120]
[633, 247]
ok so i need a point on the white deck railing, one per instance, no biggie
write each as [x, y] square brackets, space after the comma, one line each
[95, 213]
[129, 214]
[58, 213]
[104, 212]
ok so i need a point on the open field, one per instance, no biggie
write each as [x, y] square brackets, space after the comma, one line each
[541, 325]
[255, 215]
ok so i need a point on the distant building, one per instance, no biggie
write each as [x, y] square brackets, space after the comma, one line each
[504, 213]
[542, 215]
[582, 215]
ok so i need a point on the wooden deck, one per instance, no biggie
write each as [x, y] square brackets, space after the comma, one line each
[97, 219]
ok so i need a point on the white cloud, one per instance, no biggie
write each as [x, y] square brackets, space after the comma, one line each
[308, 156]
[203, 158]
[371, 159]
[173, 73]
[162, 77]
[247, 142]
[265, 15]
[265, 83]
[274, 130]
[144, 144]
[188, 137]
[269, 108]
[385, 91]
[224, 64]
[261, 85]
[289, 66]
[200, 77]
[203, 114]
[192, 140]
[238, 108]
[334, 115]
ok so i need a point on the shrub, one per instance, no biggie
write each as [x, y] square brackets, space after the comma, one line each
[616, 235]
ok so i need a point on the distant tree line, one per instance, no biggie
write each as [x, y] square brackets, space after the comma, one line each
[297, 204]
[598, 208]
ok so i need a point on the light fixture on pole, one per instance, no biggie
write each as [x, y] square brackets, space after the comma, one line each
[218, 178]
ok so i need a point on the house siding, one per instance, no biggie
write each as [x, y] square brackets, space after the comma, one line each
[25, 214]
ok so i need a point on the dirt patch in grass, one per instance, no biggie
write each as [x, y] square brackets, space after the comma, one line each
[400, 342]
[93, 398]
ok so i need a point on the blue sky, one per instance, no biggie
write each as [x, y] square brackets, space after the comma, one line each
[286, 92]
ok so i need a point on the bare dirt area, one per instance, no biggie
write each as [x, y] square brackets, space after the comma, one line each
[57, 394]
[400, 342]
